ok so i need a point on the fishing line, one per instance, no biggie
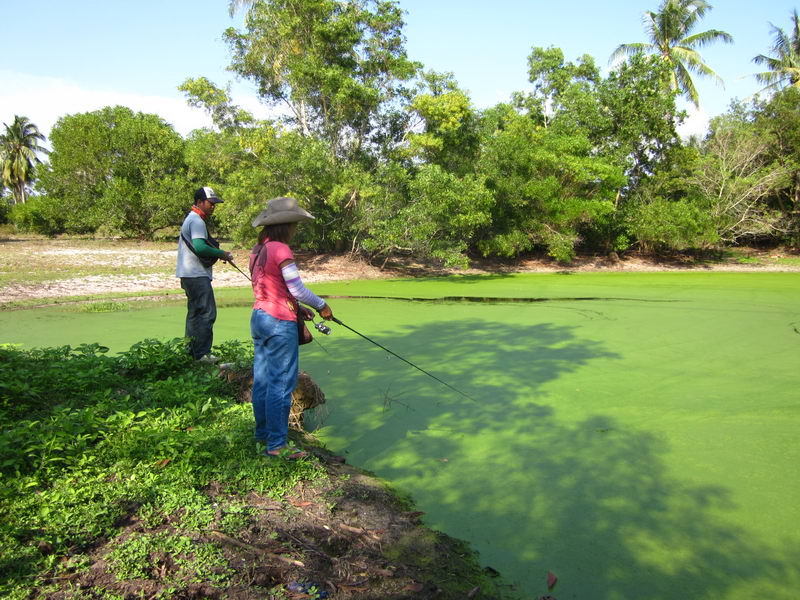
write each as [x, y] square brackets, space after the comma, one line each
[408, 362]
[316, 340]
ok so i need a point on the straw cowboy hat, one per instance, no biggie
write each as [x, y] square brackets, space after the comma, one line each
[281, 210]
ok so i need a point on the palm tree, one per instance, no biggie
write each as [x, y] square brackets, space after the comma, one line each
[18, 147]
[784, 65]
[669, 32]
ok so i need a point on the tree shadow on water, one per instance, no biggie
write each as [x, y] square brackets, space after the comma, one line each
[499, 368]
[592, 500]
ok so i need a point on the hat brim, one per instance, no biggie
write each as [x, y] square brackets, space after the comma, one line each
[278, 218]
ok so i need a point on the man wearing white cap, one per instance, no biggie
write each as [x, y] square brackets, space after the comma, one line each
[197, 252]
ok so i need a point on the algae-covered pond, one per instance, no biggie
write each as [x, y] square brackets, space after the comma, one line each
[635, 434]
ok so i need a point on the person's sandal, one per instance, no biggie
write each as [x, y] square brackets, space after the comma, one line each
[287, 454]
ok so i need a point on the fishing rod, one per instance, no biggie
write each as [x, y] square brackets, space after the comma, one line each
[326, 330]
[230, 262]
[408, 362]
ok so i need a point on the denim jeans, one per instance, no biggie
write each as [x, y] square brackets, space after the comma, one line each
[274, 376]
[200, 315]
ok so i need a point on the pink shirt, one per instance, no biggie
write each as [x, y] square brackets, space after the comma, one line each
[269, 288]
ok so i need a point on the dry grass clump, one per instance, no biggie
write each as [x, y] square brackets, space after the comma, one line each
[306, 395]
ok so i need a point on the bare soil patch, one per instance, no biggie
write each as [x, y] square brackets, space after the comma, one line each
[40, 268]
[32, 268]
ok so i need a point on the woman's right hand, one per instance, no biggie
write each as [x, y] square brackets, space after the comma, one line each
[326, 313]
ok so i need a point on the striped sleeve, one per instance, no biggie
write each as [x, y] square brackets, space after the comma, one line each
[296, 288]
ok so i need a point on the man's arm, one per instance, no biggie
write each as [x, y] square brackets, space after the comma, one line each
[198, 234]
[206, 251]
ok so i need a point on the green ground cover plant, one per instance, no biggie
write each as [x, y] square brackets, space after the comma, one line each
[89, 439]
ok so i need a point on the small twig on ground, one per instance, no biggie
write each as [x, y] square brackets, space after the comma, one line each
[245, 546]
[387, 400]
[310, 546]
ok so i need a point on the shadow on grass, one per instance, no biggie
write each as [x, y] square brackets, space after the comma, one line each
[590, 499]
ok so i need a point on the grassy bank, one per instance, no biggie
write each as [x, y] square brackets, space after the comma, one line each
[135, 475]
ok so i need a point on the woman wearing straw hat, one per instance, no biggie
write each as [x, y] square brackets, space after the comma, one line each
[278, 291]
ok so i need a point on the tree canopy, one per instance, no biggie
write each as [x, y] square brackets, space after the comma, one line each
[338, 67]
[395, 159]
[117, 169]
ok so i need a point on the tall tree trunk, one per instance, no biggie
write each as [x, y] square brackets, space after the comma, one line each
[304, 120]
[19, 193]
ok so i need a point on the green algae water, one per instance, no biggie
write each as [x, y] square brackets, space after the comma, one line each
[635, 434]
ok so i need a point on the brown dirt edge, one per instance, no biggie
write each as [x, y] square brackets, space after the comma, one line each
[341, 267]
[350, 534]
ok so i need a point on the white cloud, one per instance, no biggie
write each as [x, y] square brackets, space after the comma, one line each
[696, 123]
[44, 99]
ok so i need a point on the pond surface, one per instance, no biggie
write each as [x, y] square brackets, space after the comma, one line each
[641, 444]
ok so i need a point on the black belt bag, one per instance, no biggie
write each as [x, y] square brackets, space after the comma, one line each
[303, 333]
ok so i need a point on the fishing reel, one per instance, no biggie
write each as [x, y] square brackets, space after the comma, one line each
[322, 328]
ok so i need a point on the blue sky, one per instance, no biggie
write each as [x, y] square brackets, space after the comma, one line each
[69, 57]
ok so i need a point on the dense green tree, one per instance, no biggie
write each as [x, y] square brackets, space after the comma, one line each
[778, 119]
[669, 31]
[449, 136]
[287, 163]
[582, 160]
[783, 67]
[548, 187]
[212, 157]
[118, 169]
[637, 124]
[658, 224]
[667, 211]
[338, 66]
[626, 117]
[559, 86]
[636, 129]
[19, 146]
[439, 215]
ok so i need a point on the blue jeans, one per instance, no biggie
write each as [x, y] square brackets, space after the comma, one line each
[200, 315]
[274, 376]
